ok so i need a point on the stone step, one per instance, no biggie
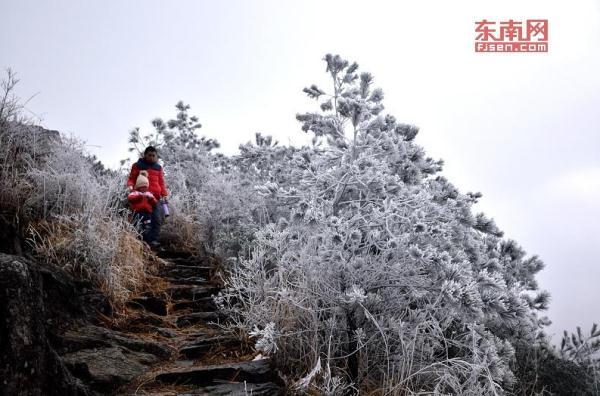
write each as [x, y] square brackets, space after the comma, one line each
[203, 304]
[190, 280]
[199, 347]
[197, 318]
[187, 271]
[191, 292]
[237, 389]
[156, 305]
[165, 332]
[191, 266]
[173, 254]
[204, 261]
[255, 371]
[141, 321]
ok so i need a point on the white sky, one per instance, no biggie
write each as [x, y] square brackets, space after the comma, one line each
[521, 128]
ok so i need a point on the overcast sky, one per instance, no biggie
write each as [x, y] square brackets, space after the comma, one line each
[523, 129]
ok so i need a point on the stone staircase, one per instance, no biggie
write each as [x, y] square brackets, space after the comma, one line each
[204, 358]
[171, 341]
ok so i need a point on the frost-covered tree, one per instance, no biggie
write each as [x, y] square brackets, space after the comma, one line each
[580, 348]
[176, 138]
[379, 276]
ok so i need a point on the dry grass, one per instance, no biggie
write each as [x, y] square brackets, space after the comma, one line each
[105, 251]
[182, 232]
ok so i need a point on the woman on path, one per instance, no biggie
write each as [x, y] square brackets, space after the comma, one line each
[156, 185]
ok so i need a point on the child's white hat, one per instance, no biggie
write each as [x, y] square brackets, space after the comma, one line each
[142, 180]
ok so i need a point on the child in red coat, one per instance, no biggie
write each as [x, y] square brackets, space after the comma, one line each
[142, 203]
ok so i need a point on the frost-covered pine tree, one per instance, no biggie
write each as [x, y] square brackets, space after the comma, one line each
[378, 275]
[177, 138]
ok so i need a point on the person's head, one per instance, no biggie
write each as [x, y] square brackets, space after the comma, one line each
[142, 182]
[150, 154]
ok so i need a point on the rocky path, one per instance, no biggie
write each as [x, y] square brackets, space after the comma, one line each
[170, 343]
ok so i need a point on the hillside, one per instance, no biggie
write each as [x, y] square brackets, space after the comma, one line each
[343, 267]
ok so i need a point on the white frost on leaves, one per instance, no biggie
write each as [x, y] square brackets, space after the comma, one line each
[266, 338]
[355, 295]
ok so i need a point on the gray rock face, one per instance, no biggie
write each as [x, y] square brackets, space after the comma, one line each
[28, 363]
[48, 345]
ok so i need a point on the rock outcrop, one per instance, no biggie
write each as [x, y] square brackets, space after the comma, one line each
[29, 365]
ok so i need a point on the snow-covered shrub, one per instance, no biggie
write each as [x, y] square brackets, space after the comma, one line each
[216, 215]
[228, 214]
[377, 266]
[72, 181]
[266, 338]
[65, 204]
